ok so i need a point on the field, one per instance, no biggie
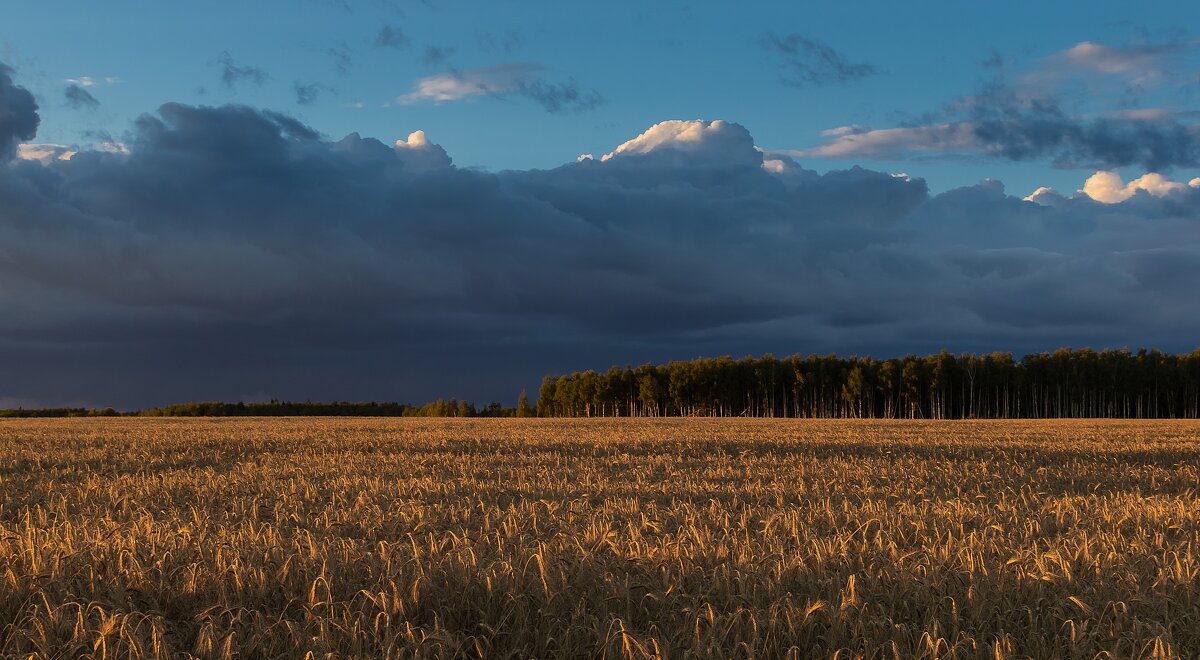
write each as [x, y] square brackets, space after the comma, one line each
[599, 538]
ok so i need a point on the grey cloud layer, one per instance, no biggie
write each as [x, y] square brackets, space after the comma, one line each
[1028, 118]
[235, 252]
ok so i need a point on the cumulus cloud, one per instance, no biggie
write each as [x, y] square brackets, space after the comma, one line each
[79, 98]
[233, 250]
[1109, 188]
[695, 142]
[419, 154]
[808, 62]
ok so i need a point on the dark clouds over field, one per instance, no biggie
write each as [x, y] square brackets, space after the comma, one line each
[229, 252]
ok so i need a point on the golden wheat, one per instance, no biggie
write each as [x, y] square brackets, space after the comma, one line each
[598, 538]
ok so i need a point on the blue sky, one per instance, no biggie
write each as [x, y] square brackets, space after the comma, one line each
[381, 200]
[647, 61]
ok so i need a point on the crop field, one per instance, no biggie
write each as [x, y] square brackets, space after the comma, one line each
[343, 537]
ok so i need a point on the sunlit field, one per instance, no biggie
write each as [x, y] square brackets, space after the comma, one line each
[598, 538]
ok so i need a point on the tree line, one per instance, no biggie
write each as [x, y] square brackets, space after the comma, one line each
[439, 408]
[1063, 383]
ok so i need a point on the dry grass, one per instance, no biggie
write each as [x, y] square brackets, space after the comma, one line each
[550, 538]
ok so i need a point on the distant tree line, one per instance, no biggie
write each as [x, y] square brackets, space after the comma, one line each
[1064, 383]
[439, 408]
[59, 412]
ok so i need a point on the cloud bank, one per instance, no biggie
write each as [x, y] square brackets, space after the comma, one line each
[232, 252]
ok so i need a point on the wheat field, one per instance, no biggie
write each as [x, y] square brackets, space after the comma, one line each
[343, 537]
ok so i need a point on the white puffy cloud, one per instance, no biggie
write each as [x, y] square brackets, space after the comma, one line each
[696, 141]
[1108, 186]
[421, 154]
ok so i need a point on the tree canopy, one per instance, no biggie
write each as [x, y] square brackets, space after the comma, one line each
[1063, 383]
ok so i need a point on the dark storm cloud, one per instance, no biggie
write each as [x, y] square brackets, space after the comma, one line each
[232, 252]
[79, 98]
[233, 73]
[18, 114]
[807, 62]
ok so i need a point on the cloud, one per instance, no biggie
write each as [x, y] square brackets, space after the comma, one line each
[79, 98]
[559, 98]
[88, 81]
[807, 62]
[1109, 188]
[18, 114]
[683, 143]
[233, 249]
[44, 153]
[860, 142]
[341, 58]
[436, 55]
[307, 93]
[499, 81]
[1043, 114]
[233, 73]
[1001, 123]
[420, 155]
[458, 85]
[507, 42]
[391, 36]
[1142, 64]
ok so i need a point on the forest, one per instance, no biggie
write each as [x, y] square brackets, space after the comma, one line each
[1063, 383]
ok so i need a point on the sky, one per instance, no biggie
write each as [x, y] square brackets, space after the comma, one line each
[404, 200]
